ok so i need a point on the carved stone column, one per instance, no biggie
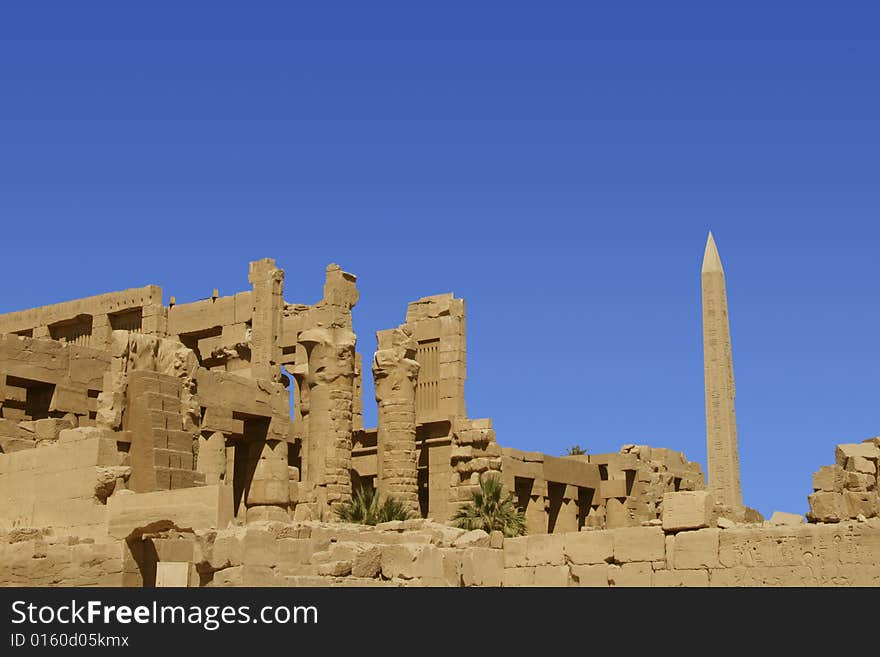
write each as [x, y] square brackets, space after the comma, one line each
[327, 449]
[268, 496]
[395, 373]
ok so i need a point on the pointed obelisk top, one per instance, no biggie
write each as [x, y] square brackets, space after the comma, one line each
[711, 259]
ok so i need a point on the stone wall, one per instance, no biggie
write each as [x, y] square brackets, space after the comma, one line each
[63, 485]
[850, 488]
[42, 379]
[89, 321]
[421, 553]
[42, 559]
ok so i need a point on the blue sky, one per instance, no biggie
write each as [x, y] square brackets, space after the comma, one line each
[558, 165]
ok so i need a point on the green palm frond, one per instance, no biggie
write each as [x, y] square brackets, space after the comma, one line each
[490, 510]
[365, 508]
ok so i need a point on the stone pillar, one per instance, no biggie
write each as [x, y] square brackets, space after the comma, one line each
[395, 372]
[268, 287]
[154, 316]
[721, 439]
[269, 494]
[326, 453]
[102, 333]
[358, 411]
[212, 457]
[301, 416]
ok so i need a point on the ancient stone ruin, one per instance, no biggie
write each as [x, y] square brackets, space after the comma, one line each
[212, 443]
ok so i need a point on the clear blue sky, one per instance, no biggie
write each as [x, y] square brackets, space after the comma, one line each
[558, 165]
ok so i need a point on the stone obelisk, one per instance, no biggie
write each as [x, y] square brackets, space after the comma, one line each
[721, 441]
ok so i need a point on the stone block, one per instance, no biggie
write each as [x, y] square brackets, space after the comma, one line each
[409, 561]
[847, 451]
[631, 575]
[173, 574]
[259, 547]
[865, 504]
[482, 567]
[201, 507]
[335, 569]
[588, 547]
[827, 507]
[639, 544]
[681, 578]
[688, 510]
[829, 478]
[861, 464]
[590, 575]
[473, 538]
[612, 488]
[545, 549]
[367, 562]
[514, 550]
[696, 549]
[783, 518]
[227, 550]
[859, 481]
[554, 576]
[519, 576]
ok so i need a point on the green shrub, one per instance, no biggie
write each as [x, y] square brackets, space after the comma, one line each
[365, 508]
[490, 510]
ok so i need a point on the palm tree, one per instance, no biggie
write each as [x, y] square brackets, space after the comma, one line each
[575, 450]
[365, 508]
[489, 510]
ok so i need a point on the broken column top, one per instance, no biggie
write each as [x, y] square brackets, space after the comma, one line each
[437, 305]
[340, 287]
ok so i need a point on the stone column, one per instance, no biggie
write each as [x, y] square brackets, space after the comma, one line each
[395, 373]
[269, 494]
[268, 286]
[212, 457]
[300, 390]
[154, 316]
[326, 454]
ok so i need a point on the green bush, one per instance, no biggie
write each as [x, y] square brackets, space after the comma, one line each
[366, 508]
[490, 510]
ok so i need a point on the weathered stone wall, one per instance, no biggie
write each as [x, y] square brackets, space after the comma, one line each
[63, 485]
[431, 555]
[46, 381]
[850, 488]
[437, 323]
[43, 559]
[138, 309]
[421, 553]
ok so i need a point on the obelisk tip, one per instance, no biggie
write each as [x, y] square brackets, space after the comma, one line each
[711, 259]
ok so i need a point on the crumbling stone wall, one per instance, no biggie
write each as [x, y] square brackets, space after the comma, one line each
[88, 322]
[623, 489]
[437, 323]
[850, 488]
[421, 553]
[64, 484]
[46, 386]
[41, 558]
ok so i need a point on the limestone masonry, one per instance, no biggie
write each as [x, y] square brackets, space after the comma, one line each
[210, 444]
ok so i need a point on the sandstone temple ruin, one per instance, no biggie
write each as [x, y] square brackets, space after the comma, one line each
[208, 444]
